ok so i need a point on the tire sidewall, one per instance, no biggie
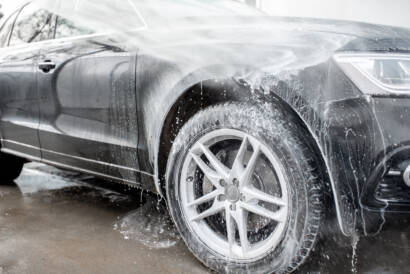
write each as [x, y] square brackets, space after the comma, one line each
[279, 134]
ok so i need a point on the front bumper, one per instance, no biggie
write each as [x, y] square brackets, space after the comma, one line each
[385, 187]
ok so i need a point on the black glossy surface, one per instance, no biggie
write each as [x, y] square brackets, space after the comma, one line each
[114, 102]
[88, 107]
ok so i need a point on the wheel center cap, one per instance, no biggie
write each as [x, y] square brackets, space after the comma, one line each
[232, 193]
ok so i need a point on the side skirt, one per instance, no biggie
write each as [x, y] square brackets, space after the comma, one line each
[141, 176]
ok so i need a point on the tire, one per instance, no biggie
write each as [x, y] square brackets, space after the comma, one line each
[279, 240]
[10, 168]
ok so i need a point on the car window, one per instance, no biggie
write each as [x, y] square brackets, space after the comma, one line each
[100, 16]
[33, 24]
[6, 29]
[68, 28]
[156, 11]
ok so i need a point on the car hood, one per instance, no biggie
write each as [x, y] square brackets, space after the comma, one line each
[265, 43]
[362, 36]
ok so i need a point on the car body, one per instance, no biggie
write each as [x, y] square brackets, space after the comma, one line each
[111, 102]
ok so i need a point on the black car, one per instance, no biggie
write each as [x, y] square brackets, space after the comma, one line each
[254, 128]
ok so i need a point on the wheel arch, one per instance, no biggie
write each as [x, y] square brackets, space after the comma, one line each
[229, 89]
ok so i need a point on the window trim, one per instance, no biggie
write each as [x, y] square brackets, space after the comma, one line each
[55, 25]
[14, 14]
[14, 23]
[6, 41]
[69, 39]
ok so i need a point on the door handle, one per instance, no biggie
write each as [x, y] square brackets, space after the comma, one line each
[46, 66]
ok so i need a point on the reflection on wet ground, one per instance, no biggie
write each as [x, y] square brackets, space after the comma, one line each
[54, 221]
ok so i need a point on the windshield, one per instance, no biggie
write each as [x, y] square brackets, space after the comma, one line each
[102, 15]
[165, 9]
[123, 15]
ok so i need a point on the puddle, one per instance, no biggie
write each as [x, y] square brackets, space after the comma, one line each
[32, 179]
[58, 206]
[52, 184]
[150, 225]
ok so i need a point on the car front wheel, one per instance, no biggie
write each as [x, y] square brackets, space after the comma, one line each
[243, 189]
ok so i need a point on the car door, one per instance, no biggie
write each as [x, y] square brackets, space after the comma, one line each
[19, 105]
[88, 102]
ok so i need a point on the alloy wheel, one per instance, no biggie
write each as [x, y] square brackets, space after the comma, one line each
[234, 194]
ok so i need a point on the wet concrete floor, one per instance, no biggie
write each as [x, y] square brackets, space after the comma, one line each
[54, 221]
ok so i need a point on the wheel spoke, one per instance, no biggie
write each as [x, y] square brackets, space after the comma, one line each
[206, 198]
[241, 219]
[214, 209]
[230, 230]
[254, 193]
[278, 215]
[250, 167]
[219, 167]
[213, 176]
[238, 166]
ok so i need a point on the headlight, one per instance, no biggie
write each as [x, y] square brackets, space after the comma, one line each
[388, 72]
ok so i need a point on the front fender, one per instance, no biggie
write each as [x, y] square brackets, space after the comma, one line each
[328, 105]
[157, 97]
